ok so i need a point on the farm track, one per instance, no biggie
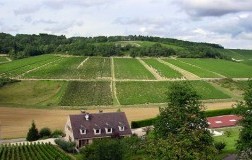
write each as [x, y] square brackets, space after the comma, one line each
[81, 64]
[113, 82]
[152, 70]
[186, 74]
[202, 68]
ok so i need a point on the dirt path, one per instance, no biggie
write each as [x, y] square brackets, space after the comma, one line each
[152, 70]
[186, 74]
[115, 99]
[202, 68]
[81, 64]
[21, 75]
[8, 59]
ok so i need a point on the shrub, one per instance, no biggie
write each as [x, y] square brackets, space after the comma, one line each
[220, 146]
[143, 123]
[219, 112]
[45, 132]
[58, 133]
[66, 146]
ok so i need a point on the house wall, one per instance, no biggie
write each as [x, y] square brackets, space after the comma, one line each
[68, 131]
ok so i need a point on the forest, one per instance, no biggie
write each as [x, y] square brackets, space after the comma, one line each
[25, 45]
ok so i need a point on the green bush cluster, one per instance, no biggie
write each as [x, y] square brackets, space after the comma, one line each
[66, 146]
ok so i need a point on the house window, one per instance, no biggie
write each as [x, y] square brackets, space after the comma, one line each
[68, 127]
[97, 131]
[82, 131]
[121, 128]
[108, 130]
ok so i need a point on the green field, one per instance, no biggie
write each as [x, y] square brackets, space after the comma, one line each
[203, 73]
[227, 68]
[21, 66]
[87, 94]
[3, 59]
[36, 94]
[154, 92]
[95, 68]
[32, 151]
[130, 68]
[162, 69]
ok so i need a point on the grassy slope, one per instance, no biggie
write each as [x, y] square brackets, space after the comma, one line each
[87, 94]
[162, 69]
[223, 67]
[154, 92]
[203, 73]
[130, 68]
[35, 94]
[3, 59]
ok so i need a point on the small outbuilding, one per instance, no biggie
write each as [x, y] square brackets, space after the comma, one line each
[85, 127]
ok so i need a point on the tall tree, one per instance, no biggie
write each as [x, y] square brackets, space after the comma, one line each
[181, 129]
[244, 144]
[32, 134]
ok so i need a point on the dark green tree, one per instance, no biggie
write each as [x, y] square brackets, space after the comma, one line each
[181, 128]
[32, 134]
[244, 109]
[45, 132]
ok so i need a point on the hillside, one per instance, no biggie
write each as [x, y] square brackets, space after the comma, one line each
[22, 45]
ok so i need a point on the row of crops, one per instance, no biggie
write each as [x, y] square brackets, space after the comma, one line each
[38, 151]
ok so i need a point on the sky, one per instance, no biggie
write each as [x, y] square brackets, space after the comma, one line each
[226, 22]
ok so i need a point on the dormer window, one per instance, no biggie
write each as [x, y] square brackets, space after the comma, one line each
[83, 131]
[121, 128]
[108, 130]
[97, 131]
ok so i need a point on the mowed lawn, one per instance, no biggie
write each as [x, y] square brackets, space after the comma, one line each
[201, 72]
[87, 94]
[162, 69]
[32, 94]
[130, 68]
[227, 68]
[155, 92]
[95, 68]
[65, 68]
[18, 67]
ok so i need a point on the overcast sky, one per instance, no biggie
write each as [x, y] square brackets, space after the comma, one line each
[226, 22]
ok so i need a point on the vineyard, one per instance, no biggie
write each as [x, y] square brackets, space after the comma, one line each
[32, 152]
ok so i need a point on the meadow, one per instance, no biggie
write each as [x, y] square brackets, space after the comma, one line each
[3, 59]
[154, 92]
[130, 68]
[32, 94]
[162, 69]
[87, 94]
[203, 73]
[226, 68]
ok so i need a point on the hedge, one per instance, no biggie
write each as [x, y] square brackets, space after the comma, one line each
[151, 121]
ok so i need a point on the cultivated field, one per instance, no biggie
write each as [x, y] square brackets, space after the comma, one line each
[87, 94]
[130, 68]
[154, 92]
[226, 68]
[203, 73]
[162, 69]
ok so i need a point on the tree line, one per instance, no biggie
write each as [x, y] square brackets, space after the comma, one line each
[24, 45]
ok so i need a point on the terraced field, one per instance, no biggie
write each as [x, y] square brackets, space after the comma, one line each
[203, 73]
[154, 92]
[162, 69]
[87, 94]
[227, 68]
[19, 67]
[130, 68]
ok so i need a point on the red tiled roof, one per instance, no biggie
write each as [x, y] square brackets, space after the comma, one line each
[223, 121]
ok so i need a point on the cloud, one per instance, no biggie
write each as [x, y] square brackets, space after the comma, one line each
[44, 21]
[63, 27]
[27, 10]
[141, 21]
[202, 8]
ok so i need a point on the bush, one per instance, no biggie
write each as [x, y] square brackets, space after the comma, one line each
[58, 133]
[4, 81]
[143, 123]
[66, 146]
[45, 132]
[220, 146]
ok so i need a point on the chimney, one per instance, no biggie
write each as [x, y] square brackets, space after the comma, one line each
[87, 116]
